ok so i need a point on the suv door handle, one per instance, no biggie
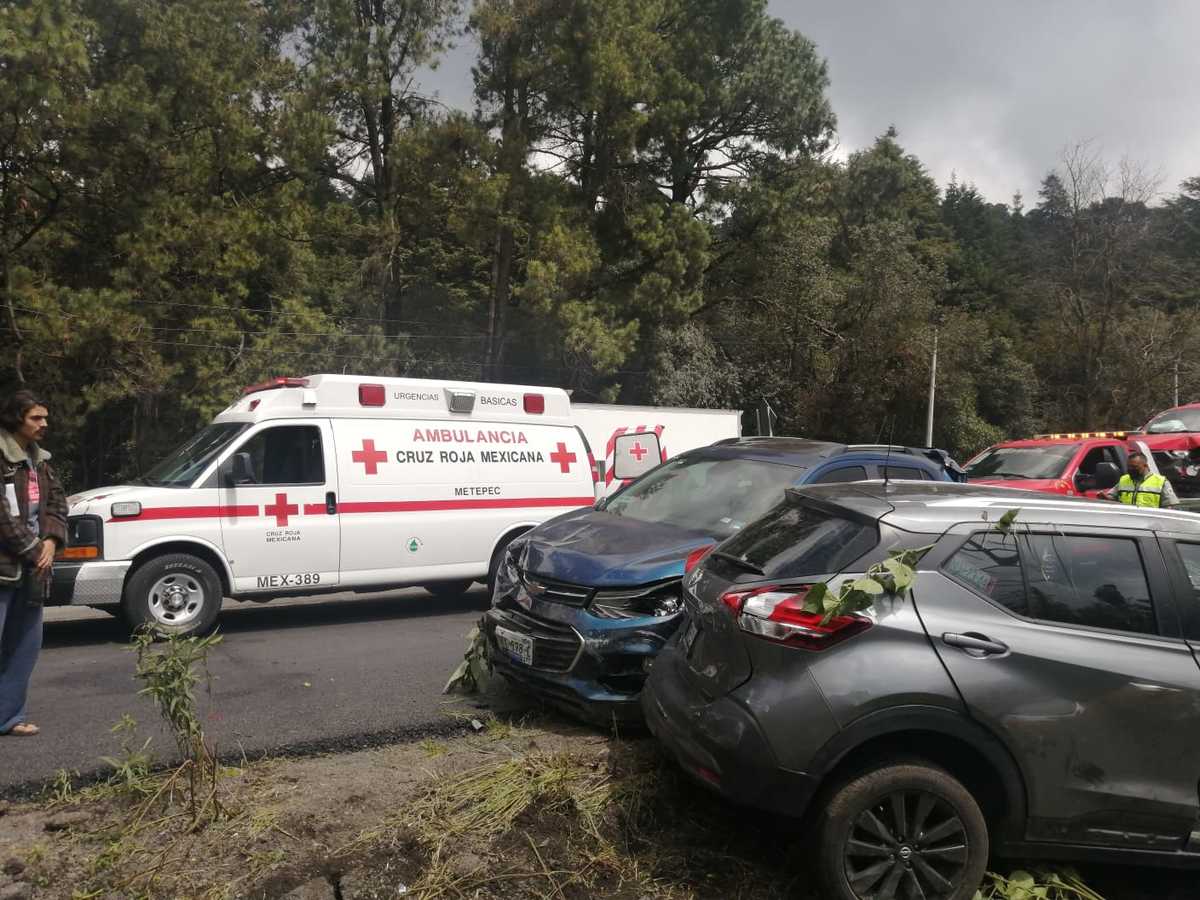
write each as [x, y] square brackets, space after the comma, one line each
[977, 645]
[331, 503]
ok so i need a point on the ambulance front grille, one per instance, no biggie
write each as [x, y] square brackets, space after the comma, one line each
[555, 591]
[555, 646]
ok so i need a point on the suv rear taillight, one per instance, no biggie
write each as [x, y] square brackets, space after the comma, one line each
[777, 614]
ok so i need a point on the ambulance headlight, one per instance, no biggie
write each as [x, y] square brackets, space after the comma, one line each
[125, 509]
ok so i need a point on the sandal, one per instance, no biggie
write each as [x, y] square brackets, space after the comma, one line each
[24, 729]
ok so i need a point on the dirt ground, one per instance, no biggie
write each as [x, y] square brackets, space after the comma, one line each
[525, 807]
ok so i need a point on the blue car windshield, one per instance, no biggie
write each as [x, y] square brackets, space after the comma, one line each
[716, 496]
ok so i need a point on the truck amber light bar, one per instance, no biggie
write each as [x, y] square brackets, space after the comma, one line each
[273, 384]
[1077, 435]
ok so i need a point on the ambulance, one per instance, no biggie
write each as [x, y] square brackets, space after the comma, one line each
[335, 483]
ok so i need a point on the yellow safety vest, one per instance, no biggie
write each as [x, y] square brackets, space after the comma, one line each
[1148, 493]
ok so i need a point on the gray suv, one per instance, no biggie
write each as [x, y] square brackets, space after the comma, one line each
[1036, 694]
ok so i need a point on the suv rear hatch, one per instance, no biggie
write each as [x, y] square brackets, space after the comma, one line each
[802, 541]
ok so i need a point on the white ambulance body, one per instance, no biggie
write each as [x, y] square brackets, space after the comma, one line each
[648, 435]
[337, 483]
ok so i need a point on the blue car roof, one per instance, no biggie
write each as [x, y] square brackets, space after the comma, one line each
[808, 453]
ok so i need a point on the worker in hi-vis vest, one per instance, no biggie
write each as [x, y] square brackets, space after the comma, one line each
[1138, 487]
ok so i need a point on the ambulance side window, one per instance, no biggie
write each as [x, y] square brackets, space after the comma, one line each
[286, 454]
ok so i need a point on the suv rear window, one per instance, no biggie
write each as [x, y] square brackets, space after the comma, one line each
[794, 540]
[989, 564]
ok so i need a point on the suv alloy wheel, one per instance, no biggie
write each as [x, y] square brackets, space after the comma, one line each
[904, 831]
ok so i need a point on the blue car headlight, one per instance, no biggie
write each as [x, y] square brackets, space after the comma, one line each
[659, 601]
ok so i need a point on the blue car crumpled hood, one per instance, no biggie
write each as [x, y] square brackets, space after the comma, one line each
[598, 549]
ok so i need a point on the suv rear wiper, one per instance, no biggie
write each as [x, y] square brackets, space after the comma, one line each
[741, 562]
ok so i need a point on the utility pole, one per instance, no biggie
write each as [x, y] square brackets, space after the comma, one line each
[932, 393]
[1176, 381]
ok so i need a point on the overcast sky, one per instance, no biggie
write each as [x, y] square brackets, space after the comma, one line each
[994, 90]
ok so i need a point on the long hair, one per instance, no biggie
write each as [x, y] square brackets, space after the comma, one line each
[12, 414]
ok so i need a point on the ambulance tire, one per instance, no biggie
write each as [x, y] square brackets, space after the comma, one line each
[448, 590]
[176, 594]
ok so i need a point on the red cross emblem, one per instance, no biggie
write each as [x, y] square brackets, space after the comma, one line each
[638, 451]
[562, 457]
[369, 457]
[282, 509]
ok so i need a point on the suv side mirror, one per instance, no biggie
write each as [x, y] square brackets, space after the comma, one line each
[238, 470]
[1107, 475]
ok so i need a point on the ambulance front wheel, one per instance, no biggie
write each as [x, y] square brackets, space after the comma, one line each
[177, 594]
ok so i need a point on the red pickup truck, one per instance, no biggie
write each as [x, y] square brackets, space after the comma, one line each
[1074, 464]
[1173, 436]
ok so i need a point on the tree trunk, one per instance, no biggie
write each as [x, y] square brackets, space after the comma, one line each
[512, 161]
[18, 338]
[502, 261]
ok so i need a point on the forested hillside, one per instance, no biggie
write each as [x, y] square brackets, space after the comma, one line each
[644, 205]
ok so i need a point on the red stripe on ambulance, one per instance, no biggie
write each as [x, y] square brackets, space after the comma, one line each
[191, 512]
[609, 450]
[372, 506]
[382, 506]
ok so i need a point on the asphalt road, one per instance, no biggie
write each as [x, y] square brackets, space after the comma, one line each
[332, 673]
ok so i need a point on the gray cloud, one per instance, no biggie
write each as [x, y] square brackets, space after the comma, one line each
[993, 91]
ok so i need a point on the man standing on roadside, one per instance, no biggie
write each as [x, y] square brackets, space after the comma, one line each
[33, 525]
[1140, 488]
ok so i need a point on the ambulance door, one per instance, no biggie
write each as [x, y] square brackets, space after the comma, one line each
[405, 487]
[544, 473]
[279, 520]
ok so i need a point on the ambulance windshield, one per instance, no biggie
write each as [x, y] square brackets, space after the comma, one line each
[182, 467]
[716, 496]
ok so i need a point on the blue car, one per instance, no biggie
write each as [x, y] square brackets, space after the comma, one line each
[583, 602]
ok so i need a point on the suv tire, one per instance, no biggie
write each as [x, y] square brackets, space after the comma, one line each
[865, 852]
[177, 594]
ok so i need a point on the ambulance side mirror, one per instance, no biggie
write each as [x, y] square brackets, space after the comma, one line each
[238, 471]
[635, 455]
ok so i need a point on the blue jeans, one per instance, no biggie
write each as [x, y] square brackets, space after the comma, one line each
[20, 642]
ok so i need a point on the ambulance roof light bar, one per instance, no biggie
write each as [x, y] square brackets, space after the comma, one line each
[274, 383]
